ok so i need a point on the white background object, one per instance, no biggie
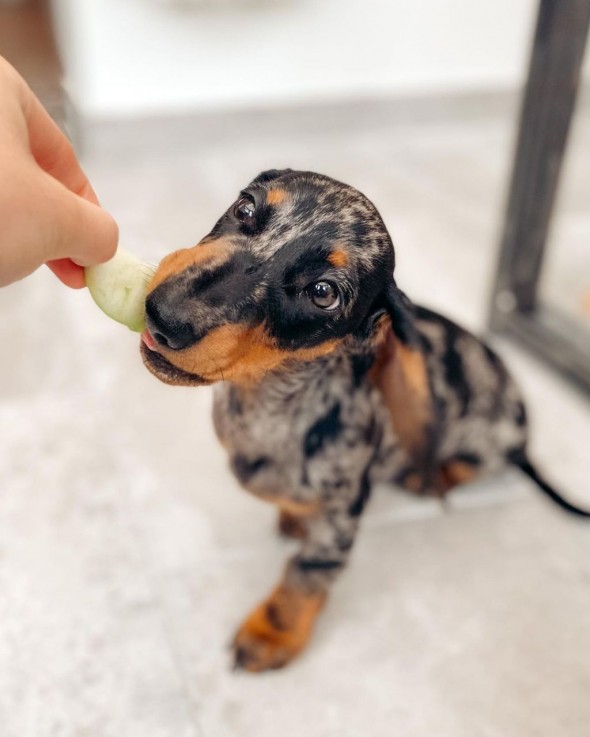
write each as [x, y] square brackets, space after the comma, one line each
[134, 57]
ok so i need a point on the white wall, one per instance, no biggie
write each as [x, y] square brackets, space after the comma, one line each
[127, 57]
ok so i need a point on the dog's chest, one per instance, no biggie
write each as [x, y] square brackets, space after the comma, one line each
[295, 433]
[261, 437]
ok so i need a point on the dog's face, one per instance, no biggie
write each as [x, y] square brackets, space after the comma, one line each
[296, 265]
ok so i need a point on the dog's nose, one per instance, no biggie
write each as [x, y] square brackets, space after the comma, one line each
[164, 325]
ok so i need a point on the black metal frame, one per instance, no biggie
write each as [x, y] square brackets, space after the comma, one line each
[549, 100]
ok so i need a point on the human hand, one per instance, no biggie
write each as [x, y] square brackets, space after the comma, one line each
[49, 213]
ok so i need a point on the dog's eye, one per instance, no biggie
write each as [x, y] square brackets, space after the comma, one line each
[245, 210]
[325, 295]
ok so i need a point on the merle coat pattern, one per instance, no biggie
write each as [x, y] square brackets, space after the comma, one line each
[329, 379]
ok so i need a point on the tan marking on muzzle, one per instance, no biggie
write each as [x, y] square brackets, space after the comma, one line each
[239, 353]
[208, 251]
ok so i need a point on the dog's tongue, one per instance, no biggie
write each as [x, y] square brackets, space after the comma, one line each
[147, 338]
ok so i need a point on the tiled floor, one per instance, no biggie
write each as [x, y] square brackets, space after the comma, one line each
[128, 554]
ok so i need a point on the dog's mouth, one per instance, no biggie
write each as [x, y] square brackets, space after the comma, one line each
[162, 368]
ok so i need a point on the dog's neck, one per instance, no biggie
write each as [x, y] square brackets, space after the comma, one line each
[297, 377]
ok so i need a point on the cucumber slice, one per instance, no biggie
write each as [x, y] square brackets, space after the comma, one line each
[119, 287]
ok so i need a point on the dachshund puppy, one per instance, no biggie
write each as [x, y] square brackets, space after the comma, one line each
[331, 379]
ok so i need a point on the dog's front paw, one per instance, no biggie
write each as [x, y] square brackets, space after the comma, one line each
[276, 631]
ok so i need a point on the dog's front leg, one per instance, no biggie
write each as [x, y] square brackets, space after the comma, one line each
[280, 627]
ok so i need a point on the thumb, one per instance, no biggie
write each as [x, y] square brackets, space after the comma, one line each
[77, 229]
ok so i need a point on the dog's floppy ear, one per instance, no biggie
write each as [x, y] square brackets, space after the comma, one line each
[402, 375]
[401, 312]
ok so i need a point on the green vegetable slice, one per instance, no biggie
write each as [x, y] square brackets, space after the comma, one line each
[119, 287]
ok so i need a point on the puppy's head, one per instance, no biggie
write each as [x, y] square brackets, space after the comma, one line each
[298, 264]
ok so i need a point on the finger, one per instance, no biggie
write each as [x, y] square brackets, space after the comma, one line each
[52, 150]
[68, 272]
[77, 229]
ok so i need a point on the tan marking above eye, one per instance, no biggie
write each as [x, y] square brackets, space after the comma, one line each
[208, 250]
[276, 196]
[339, 258]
